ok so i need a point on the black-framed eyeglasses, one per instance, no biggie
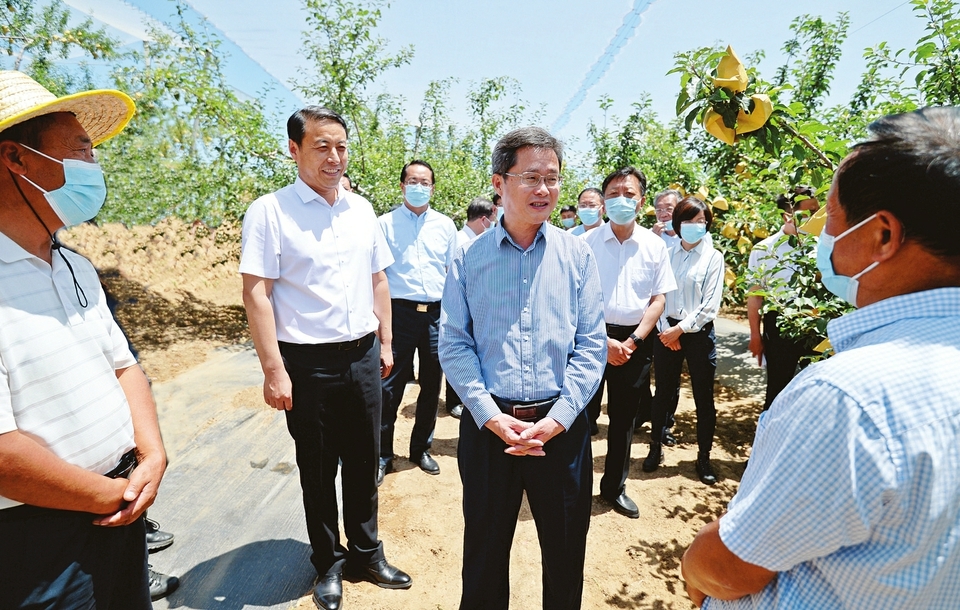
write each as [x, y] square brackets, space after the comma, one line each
[533, 179]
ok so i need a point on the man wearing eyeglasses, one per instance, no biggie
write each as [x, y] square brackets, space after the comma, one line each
[589, 210]
[635, 274]
[522, 343]
[422, 241]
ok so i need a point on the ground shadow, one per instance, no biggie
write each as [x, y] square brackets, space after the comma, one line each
[153, 322]
[260, 574]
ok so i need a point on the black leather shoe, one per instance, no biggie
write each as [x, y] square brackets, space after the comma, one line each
[156, 540]
[382, 471]
[161, 585]
[385, 575]
[328, 593]
[427, 464]
[625, 506]
[705, 470]
[667, 438]
[456, 411]
[654, 458]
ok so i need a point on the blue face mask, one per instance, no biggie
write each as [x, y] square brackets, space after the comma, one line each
[82, 194]
[620, 210]
[417, 195]
[499, 214]
[840, 285]
[589, 216]
[692, 232]
[568, 222]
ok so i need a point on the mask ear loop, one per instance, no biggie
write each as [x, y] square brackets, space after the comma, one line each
[81, 295]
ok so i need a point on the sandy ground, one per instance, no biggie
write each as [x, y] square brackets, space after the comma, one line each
[179, 295]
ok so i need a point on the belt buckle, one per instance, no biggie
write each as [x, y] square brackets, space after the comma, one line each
[524, 413]
[348, 345]
[421, 308]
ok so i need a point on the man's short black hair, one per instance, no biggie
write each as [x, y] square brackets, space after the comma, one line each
[297, 123]
[590, 189]
[480, 207]
[403, 172]
[505, 152]
[496, 199]
[788, 201]
[568, 208]
[623, 173]
[910, 167]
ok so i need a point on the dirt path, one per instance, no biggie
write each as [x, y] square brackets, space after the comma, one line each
[232, 497]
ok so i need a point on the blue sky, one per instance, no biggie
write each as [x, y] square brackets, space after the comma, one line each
[547, 45]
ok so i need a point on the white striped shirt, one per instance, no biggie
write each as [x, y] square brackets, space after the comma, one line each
[58, 361]
[523, 324]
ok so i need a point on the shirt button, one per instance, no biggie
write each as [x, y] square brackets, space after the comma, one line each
[524, 280]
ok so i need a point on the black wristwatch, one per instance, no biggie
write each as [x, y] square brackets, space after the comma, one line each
[636, 340]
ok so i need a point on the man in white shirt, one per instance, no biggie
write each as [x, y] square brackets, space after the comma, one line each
[318, 305]
[635, 274]
[481, 216]
[770, 261]
[80, 451]
[422, 242]
[589, 211]
[663, 205]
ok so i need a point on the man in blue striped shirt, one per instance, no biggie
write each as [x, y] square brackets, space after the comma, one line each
[522, 342]
[852, 497]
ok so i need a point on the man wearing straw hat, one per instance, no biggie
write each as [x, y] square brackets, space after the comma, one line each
[80, 450]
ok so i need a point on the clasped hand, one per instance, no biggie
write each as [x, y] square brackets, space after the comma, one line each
[521, 437]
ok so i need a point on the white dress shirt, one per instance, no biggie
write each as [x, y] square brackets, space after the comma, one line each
[465, 236]
[422, 247]
[699, 276]
[322, 259]
[630, 273]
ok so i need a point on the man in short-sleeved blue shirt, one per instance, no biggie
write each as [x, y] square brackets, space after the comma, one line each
[852, 497]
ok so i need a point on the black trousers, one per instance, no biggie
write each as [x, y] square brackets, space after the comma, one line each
[413, 331]
[60, 559]
[558, 487]
[645, 400]
[336, 419]
[700, 351]
[628, 386]
[782, 355]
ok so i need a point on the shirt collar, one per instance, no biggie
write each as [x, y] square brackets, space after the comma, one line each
[608, 233]
[501, 234]
[410, 213]
[307, 194]
[10, 251]
[937, 303]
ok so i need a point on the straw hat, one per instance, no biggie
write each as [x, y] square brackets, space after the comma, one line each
[103, 113]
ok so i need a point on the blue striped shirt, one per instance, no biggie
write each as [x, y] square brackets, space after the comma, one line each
[853, 489]
[523, 324]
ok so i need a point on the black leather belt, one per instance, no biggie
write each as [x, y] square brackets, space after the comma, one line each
[420, 307]
[128, 461]
[346, 345]
[620, 333]
[531, 410]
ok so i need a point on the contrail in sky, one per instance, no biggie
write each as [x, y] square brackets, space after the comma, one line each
[624, 33]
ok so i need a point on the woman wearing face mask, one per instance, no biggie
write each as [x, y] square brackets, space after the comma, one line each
[687, 332]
